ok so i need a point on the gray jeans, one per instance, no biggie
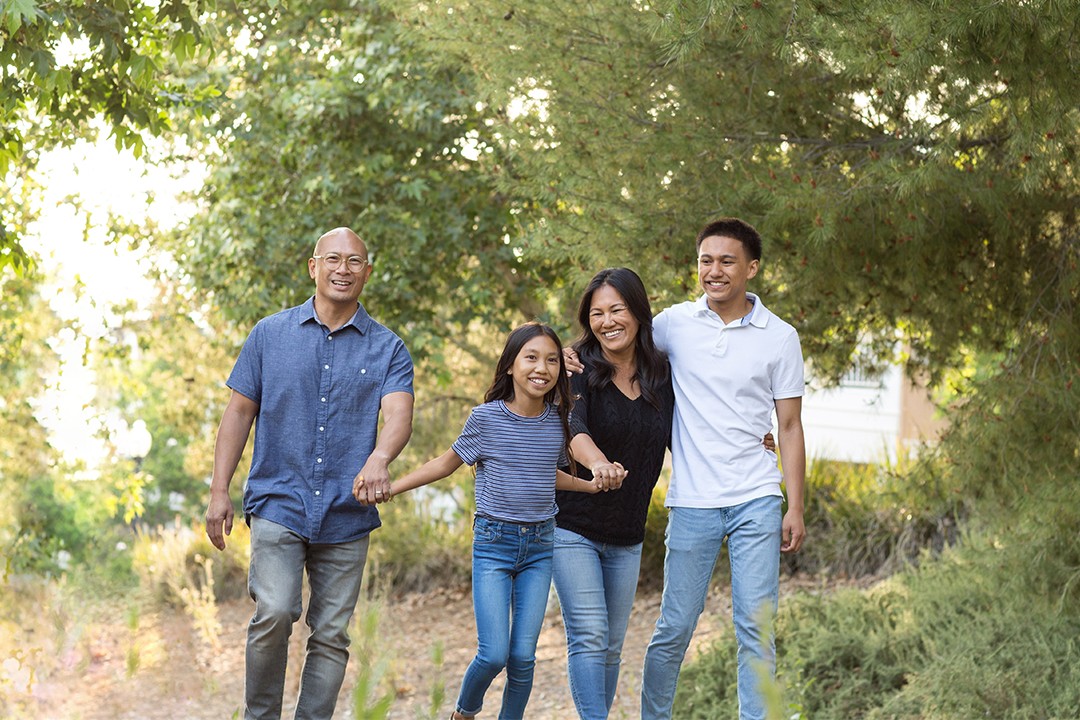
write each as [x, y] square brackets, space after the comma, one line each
[275, 580]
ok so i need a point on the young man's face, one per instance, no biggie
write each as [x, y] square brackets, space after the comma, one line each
[724, 268]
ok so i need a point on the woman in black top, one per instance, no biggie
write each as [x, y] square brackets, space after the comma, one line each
[624, 401]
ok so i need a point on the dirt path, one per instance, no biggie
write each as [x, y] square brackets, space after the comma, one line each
[162, 669]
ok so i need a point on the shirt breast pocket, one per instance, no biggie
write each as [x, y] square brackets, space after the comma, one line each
[361, 395]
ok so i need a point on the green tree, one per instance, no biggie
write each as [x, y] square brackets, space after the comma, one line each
[334, 117]
[911, 166]
[65, 65]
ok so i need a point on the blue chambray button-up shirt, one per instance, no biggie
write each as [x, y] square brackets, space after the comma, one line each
[319, 394]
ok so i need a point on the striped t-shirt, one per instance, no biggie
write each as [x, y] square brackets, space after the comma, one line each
[516, 458]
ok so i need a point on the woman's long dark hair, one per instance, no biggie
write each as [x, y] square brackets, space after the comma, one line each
[652, 370]
[502, 386]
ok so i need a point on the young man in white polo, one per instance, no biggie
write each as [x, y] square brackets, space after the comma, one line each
[734, 363]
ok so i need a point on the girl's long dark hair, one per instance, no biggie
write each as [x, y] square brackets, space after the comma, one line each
[502, 386]
[652, 370]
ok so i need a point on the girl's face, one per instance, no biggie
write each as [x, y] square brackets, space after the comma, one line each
[536, 368]
[611, 321]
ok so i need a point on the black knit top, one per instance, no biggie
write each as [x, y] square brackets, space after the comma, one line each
[631, 432]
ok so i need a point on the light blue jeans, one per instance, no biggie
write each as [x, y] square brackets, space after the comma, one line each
[275, 579]
[596, 583]
[694, 539]
[511, 576]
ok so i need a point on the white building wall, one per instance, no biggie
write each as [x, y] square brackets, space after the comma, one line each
[858, 421]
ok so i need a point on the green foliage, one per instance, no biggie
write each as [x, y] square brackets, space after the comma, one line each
[911, 170]
[873, 519]
[177, 566]
[334, 117]
[417, 549]
[65, 64]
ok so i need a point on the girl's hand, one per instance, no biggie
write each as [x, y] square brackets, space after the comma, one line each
[769, 442]
[608, 476]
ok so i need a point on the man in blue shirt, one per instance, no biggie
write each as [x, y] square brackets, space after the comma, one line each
[315, 377]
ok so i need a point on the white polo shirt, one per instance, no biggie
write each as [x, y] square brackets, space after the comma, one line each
[726, 379]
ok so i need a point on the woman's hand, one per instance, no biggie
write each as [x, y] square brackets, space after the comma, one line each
[608, 475]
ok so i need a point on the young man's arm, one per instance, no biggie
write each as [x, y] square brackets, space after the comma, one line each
[232, 436]
[793, 463]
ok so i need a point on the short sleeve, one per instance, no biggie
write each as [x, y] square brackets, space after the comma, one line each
[246, 375]
[468, 446]
[579, 415]
[788, 380]
[399, 374]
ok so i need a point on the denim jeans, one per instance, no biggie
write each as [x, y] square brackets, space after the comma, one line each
[596, 583]
[275, 580]
[511, 571]
[694, 539]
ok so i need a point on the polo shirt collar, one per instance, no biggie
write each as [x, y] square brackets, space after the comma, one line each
[758, 317]
[360, 319]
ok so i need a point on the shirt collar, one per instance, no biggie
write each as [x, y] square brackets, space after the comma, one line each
[360, 319]
[758, 315]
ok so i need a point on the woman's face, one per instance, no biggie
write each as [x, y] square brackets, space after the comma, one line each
[611, 321]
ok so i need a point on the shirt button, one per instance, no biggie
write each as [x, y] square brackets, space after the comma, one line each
[321, 428]
[318, 460]
[323, 399]
[363, 371]
[326, 367]
[329, 337]
[317, 492]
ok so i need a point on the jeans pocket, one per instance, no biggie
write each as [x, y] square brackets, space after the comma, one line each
[568, 538]
[485, 532]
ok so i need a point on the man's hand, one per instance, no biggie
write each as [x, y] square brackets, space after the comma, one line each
[793, 532]
[372, 484]
[571, 360]
[219, 517]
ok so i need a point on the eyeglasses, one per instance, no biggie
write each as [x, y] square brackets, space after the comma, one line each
[333, 261]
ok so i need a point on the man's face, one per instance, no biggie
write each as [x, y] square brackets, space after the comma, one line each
[340, 284]
[724, 268]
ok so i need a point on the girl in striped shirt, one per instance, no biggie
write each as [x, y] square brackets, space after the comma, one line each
[516, 440]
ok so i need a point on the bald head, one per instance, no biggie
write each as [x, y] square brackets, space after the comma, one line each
[342, 232]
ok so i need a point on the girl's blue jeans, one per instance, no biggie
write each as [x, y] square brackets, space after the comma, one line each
[511, 571]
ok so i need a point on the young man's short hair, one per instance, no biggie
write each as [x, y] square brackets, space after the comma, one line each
[736, 229]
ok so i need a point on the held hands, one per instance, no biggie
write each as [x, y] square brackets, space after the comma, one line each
[372, 483]
[608, 476]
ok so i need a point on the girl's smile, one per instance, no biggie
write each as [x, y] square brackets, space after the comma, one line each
[534, 372]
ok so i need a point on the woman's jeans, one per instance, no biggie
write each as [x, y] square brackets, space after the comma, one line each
[275, 579]
[694, 538]
[511, 575]
[596, 583]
